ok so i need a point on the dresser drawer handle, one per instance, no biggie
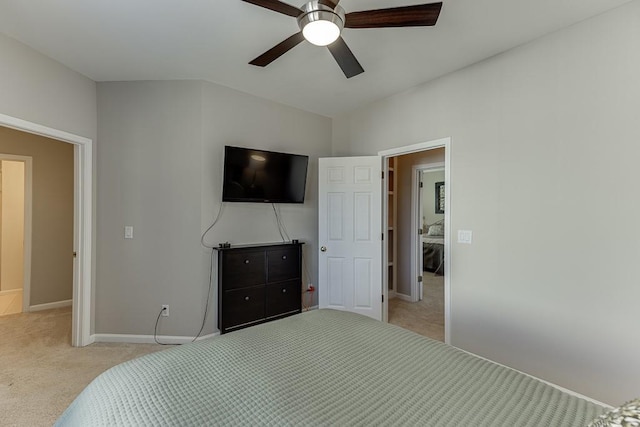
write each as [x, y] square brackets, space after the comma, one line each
[246, 298]
[284, 257]
[284, 291]
[246, 261]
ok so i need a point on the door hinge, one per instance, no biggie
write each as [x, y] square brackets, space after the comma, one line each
[383, 298]
[382, 236]
[421, 184]
[419, 279]
[382, 174]
[419, 230]
[75, 254]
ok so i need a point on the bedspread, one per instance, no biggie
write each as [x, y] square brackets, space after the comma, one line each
[323, 367]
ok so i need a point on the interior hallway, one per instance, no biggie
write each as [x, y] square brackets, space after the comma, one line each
[424, 317]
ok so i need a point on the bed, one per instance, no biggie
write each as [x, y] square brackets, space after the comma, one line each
[433, 254]
[433, 247]
[323, 367]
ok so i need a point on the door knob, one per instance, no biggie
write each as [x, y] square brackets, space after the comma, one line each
[323, 248]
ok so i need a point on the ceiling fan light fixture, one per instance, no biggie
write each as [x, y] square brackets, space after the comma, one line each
[321, 33]
[320, 24]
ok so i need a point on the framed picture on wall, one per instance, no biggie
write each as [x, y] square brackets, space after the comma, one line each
[440, 197]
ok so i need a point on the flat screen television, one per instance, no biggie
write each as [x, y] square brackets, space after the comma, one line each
[252, 175]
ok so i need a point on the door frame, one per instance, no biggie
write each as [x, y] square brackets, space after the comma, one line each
[28, 194]
[82, 313]
[413, 148]
[416, 208]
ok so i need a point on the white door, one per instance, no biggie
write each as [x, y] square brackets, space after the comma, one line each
[350, 234]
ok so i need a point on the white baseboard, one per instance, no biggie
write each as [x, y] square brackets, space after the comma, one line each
[565, 390]
[148, 339]
[50, 305]
[404, 297]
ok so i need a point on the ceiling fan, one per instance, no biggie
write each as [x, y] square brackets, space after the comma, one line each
[322, 21]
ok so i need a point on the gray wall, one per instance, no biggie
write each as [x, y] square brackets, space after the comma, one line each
[41, 90]
[544, 171]
[52, 213]
[160, 170]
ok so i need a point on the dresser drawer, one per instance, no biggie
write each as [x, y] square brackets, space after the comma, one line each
[243, 306]
[283, 264]
[283, 297]
[243, 268]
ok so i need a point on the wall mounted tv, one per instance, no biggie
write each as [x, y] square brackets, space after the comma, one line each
[252, 175]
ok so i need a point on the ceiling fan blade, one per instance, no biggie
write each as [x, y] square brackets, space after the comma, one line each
[278, 50]
[345, 58]
[331, 3]
[406, 16]
[277, 6]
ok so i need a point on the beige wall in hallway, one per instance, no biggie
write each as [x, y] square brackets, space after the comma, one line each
[52, 213]
[12, 235]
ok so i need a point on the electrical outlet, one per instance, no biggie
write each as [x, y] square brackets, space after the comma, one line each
[165, 310]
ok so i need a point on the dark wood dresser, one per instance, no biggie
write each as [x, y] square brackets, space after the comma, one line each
[258, 283]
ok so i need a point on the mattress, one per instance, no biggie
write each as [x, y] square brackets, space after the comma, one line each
[323, 367]
[435, 240]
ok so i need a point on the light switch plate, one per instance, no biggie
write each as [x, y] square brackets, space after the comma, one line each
[128, 232]
[465, 236]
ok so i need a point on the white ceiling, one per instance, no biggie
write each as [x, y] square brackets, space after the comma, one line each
[215, 39]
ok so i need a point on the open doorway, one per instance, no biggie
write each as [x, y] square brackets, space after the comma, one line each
[38, 263]
[36, 268]
[427, 204]
[15, 224]
[418, 286]
[82, 227]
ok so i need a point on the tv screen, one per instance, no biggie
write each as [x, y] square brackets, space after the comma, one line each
[252, 175]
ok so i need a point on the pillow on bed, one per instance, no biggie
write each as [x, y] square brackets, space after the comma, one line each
[436, 230]
[627, 415]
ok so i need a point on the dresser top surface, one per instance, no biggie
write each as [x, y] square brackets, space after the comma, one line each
[258, 245]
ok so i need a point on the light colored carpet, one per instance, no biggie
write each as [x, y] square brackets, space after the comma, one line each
[424, 317]
[41, 374]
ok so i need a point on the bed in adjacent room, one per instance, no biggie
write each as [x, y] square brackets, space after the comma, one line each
[433, 248]
[433, 254]
[322, 367]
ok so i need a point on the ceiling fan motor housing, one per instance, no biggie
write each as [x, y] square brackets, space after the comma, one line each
[313, 11]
